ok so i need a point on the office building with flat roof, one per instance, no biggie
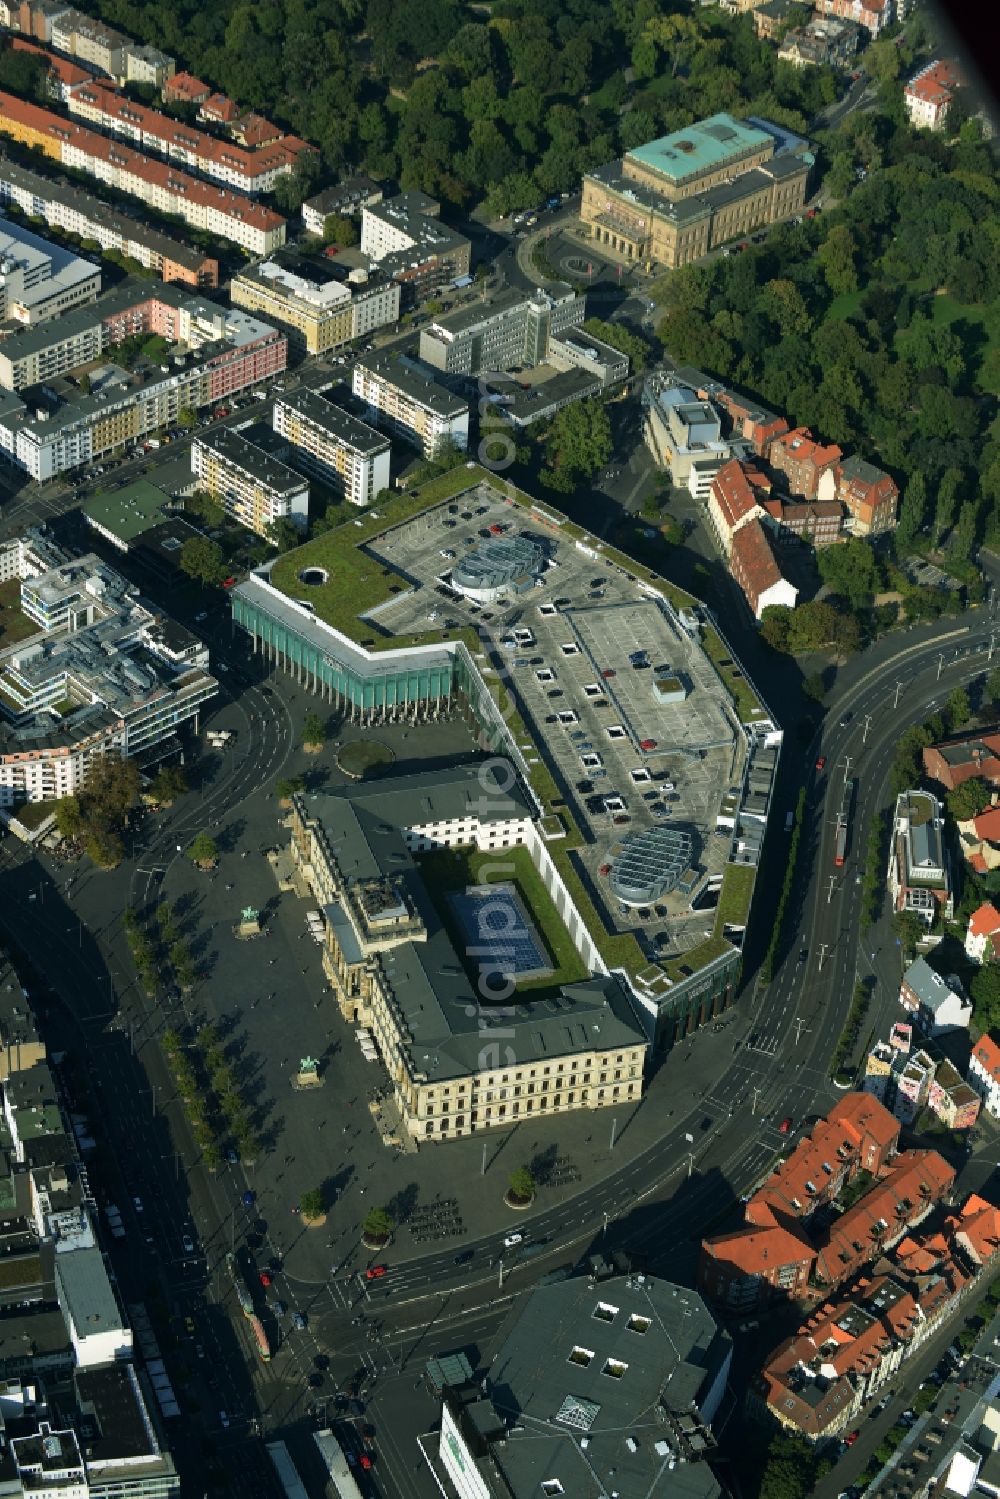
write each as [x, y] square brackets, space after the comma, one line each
[334, 445]
[252, 487]
[105, 672]
[405, 237]
[40, 280]
[514, 329]
[402, 396]
[670, 201]
[598, 1386]
[319, 303]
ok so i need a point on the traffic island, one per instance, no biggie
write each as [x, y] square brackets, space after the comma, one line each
[377, 1229]
[520, 1193]
[364, 757]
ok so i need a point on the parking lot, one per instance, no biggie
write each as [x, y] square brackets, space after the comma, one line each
[622, 702]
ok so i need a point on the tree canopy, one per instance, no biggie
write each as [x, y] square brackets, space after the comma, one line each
[204, 560]
[515, 105]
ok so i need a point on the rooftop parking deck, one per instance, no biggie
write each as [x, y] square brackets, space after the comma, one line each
[617, 696]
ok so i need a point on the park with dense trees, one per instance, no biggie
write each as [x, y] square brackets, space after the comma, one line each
[432, 94]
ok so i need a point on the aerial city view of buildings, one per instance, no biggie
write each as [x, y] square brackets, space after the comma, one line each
[458, 678]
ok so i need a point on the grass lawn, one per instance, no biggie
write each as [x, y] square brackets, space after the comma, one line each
[945, 311]
[454, 869]
[14, 625]
[846, 305]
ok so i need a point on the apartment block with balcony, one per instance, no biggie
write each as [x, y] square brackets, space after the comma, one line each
[254, 488]
[402, 397]
[231, 165]
[320, 305]
[220, 352]
[65, 206]
[334, 445]
[406, 239]
[918, 876]
[163, 186]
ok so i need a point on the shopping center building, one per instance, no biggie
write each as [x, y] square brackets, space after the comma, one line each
[621, 710]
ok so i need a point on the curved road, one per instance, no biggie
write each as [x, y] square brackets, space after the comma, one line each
[794, 1027]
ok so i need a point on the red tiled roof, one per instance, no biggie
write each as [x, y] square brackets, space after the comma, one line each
[936, 83]
[168, 177]
[759, 1250]
[754, 564]
[67, 72]
[220, 107]
[186, 86]
[987, 825]
[800, 445]
[984, 920]
[978, 1229]
[918, 1178]
[115, 106]
[987, 1054]
[733, 494]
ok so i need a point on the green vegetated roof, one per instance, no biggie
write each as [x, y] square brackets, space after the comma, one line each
[353, 577]
[735, 896]
[130, 511]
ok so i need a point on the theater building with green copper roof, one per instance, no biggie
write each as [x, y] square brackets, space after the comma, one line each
[674, 199]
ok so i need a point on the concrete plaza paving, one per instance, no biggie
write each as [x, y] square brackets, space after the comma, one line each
[270, 998]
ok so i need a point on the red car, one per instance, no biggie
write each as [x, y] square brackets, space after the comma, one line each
[375, 1272]
[647, 744]
[265, 1278]
[821, 763]
[605, 869]
[851, 1438]
[229, 582]
[608, 673]
[496, 529]
[785, 1125]
[364, 1461]
[331, 251]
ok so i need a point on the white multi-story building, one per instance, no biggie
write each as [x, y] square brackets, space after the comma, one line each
[254, 488]
[929, 93]
[40, 280]
[320, 307]
[344, 452]
[402, 397]
[106, 674]
[984, 1073]
[918, 862]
